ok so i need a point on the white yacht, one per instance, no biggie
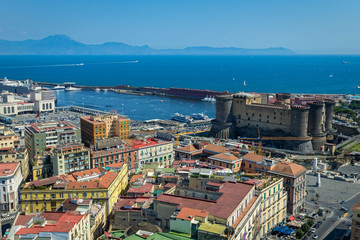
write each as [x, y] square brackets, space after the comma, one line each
[59, 87]
[70, 89]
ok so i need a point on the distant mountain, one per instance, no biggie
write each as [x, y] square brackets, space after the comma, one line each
[64, 45]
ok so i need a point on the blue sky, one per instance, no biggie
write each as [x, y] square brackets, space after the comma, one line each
[306, 26]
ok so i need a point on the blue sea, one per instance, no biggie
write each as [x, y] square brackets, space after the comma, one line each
[305, 74]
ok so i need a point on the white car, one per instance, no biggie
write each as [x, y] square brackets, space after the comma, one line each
[313, 230]
[315, 237]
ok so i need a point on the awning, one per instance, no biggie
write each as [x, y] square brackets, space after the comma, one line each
[291, 218]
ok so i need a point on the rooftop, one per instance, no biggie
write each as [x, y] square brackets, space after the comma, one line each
[64, 223]
[288, 168]
[137, 144]
[225, 156]
[232, 195]
[189, 213]
[8, 168]
[213, 228]
[44, 127]
[91, 178]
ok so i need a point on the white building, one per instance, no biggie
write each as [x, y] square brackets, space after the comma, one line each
[10, 181]
[153, 150]
[11, 106]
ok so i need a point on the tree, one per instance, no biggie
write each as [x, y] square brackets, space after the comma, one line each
[305, 228]
[310, 222]
[317, 196]
[299, 233]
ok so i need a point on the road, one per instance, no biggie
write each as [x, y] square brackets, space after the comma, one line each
[336, 222]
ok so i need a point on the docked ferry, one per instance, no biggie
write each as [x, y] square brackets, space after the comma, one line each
[199, 116]
[181, 118]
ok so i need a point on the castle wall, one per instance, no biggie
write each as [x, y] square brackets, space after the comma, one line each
[267, 117]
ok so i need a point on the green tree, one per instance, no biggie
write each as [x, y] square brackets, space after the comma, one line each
[317, 196]
[299, 233]
[305, 228]
[310, 222]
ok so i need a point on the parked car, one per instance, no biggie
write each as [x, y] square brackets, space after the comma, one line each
[313, 230]
[315, 236]
[343, 209]
[342, 202]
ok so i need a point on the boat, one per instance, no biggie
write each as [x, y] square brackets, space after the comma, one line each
[70, 89]
[208, 99]
[97, 89]
[345, 62]
[59, 87]
[244, 83]
[181, 118]
[81, 64]
[330, 76]
[199, 116]
[358, 86]
[105, 90]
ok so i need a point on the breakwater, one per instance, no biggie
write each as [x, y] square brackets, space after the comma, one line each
[170, 92]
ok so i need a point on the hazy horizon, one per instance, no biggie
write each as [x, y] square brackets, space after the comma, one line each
[309, 28]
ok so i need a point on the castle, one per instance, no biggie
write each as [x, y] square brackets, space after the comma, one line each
[242, 114]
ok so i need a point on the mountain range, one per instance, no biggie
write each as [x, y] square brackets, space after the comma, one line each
[64, 45]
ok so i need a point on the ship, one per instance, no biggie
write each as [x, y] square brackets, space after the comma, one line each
[182, 118]
[199, 116]
[208, 99]
[59, 87]
[71, 89]
[358, 86]
[105, 90]
[97, 89]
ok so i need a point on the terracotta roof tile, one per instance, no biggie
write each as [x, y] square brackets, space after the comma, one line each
[215, 148]
[225, 156]
[253, 157]
[8, 168]
[189, 149]
[135, 177]
[189, 213]
[288, 168]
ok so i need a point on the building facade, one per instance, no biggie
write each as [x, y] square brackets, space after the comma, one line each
[293, 177]
[10, 150]
[242, 114]
[153, 150]
[98, 127]
[42, 136]
[102, 186]
[10, 181]
[70, 158]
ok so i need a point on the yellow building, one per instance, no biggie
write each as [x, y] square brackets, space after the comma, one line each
[94, 128]
[42, 167]
[10, 150]
[273, 204]
[98, 184]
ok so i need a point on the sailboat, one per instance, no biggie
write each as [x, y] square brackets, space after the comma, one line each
[244, 83]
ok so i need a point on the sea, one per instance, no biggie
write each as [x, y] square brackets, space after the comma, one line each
[295, 74]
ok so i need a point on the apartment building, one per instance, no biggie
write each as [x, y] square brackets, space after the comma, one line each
[42, 136]
[293, 177]
[152, 150]
[70, 158]
[10, 150]
[10, 181]
[355, 225]
[51, 225]
[102, 186]
[98, 127]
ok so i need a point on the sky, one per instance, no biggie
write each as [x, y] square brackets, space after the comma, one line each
[306, 26]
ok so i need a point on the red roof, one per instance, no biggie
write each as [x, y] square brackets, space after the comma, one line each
[65, 222]
[232, 195]
[142, 144]
[8, 168]
[190, 213]
[146, 188]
